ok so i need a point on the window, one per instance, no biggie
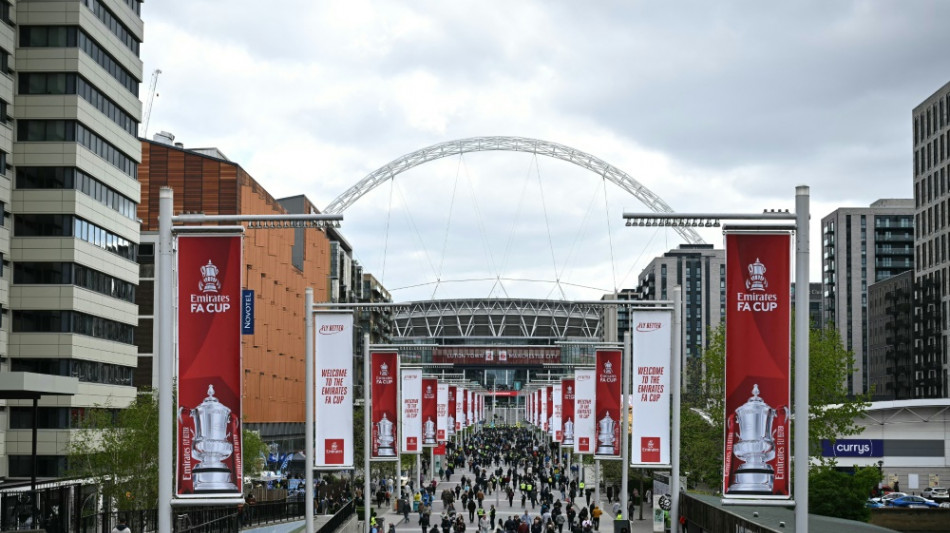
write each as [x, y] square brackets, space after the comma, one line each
[53, 273]
[73, 37]
[56, 321]
[70, 131]
[36, 225]
[73, 178]
[110, 21]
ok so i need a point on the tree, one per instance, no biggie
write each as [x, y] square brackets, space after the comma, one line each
[118, 450]
[840, 494]
[833, 412]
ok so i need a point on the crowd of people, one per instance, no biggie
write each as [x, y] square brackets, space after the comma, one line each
[514, 465]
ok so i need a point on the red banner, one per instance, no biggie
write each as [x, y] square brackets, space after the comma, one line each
[549, 407]
[607, 403]
[453, 410]
[430, 412]
[758, 346]
[209, 366]
[567, 411]
[465, 408]
[385, 399]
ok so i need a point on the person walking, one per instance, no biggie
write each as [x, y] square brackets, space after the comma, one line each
[595, 513]
[491, 517]
[424, 522]
[471, 511]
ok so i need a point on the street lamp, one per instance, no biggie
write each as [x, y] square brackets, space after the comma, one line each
[880, 473]
[771, 219]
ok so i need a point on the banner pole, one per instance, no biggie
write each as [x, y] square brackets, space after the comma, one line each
[801, 357]
[625, 422]
[367, 436]
[166, 332]
[676, 386]
[308, 390]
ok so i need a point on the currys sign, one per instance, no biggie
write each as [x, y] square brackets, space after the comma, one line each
[852, 448]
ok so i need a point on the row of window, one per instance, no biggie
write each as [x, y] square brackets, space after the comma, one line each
[57, 321]
[73, 178]
[117, 28]
[85, 371]
[57, 225]
[71, 83]
[135, 6]
[52, 417]
[73, 274]
[74, 131]
[931, 120]
[930, 154]
[73, 37]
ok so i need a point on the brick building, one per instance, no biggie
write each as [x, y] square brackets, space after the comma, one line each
[279, 265]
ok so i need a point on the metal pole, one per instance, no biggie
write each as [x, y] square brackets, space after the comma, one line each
[367, 437]
[308, 417]
[676, 382]
[166, 332]
[625, 423]
[801, 357]
[596, 481]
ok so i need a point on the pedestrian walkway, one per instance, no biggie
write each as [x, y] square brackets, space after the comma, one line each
[503, 511]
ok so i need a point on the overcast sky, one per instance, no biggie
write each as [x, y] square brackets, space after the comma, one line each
[713, 106]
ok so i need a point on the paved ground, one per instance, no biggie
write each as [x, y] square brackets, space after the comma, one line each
[503, 510]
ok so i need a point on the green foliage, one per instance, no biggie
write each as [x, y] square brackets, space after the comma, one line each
[121, 457]
[701, 453]
[839, 494]
[120, 452]
[253, 451]
[832, 411]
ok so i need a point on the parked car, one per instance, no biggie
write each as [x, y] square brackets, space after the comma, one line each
[936, 493]
[916, 502]
[888, 497]
[872, 504]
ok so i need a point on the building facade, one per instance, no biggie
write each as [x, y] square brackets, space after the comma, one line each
[931, 127]
[280, 264]
[892, 368]
[701, 271]
[69, 113]
[862, 246]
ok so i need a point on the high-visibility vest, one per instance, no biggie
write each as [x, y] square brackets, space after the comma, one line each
[581, 485]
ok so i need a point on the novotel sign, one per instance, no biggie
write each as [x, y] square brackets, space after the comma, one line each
[852, 448]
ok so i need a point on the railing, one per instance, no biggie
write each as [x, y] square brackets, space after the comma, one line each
[339, 518]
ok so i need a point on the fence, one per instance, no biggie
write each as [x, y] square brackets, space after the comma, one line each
[77, 508]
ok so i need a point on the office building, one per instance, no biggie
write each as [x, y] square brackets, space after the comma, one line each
[69, 157]
[862, 246]
[931, 127]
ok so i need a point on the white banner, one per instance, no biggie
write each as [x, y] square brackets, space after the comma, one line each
[411, 411]
[556, 432]
[333, 394]
[442, 420]
[584, 423]
[650, 389]
[470, 415]
[459, 408]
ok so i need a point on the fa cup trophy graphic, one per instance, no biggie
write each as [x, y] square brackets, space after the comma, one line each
[211, 445]
[755, 447]
[568, 439]
[605, 435]
[385, 438]
[428, 432]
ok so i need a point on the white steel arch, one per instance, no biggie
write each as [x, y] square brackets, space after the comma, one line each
[508, 144]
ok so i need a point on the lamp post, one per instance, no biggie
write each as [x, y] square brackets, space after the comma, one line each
[801, 404]
[880, 474]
